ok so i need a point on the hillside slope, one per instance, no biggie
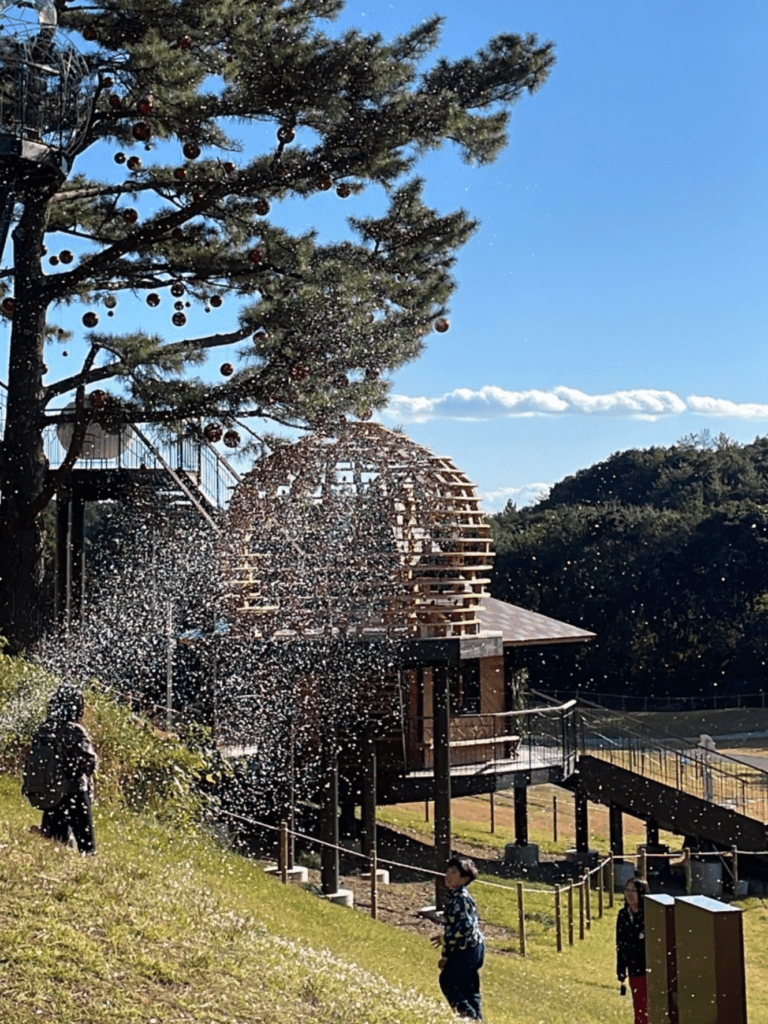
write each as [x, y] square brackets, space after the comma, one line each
[167, 928]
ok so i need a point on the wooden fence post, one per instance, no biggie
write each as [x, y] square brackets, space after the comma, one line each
[611, 877]
[283, 852]
[558, 921]
[554, 819]
[600, 876]
[644, 864]
[570, 913]
[374, 884]
[521, 916]
[581, 909]
[735, 868]
[587, 883]
[688, 873]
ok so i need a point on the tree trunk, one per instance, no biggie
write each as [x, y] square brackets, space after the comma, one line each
[22, 617]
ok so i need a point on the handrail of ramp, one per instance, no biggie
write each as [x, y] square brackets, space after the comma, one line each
[651, 752]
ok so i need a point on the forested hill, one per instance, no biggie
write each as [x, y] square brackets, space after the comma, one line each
[696, 470]
[663, 553]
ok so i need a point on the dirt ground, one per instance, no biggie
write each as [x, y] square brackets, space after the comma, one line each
[550, 811]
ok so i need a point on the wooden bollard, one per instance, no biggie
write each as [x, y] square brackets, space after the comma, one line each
[558, 921]
[570, 913]
[521, 916]
[283, 852]
[374, 885]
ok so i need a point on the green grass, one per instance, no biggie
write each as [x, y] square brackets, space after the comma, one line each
[470, 822]
[168, 928]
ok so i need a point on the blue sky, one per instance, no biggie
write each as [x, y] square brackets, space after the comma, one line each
[615, 293]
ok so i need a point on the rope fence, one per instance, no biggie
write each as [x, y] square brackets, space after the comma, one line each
[571, 904]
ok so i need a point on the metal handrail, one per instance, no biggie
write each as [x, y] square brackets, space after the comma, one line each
[212, 474]
[553, 743]
[699, 771]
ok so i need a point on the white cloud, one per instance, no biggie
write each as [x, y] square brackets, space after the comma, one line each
[722, 407]
[493, 403]
[527, 494]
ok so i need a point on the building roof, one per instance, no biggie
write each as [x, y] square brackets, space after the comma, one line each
[521, 628]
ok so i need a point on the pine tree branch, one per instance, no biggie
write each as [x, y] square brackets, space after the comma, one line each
[120, 365]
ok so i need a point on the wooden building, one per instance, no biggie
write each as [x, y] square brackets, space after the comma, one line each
[371, 537]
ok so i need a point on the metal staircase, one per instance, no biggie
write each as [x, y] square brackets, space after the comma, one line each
[190, 471]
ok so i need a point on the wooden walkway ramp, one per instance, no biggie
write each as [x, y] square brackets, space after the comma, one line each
[672, 809]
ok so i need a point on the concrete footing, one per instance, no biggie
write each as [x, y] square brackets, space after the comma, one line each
[299, 875]
[344, 897]
[623, 870]
[587, 860]
[382, 876]
[521, 856]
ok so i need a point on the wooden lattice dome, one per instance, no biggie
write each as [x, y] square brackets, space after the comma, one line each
[363, 533]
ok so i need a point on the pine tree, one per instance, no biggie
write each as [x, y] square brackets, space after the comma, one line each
[175, 85]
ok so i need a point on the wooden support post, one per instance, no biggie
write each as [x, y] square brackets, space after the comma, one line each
[554, 819]
[581, 815]
[77, 554]
[329, 824]
[368, 809]
[570, 913]
[581, 909]
[289, 805]
[62, 574]
[644, 865]
[558, 920]
[493, 813]
[651, 832]
[616, 830]
[442, 771]
[374, 884]
[521, 916]
[283, 852]
[521, 815]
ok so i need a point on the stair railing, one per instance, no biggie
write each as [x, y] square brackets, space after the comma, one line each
[673, 760]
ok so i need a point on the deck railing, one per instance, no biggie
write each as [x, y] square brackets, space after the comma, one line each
[524, 740]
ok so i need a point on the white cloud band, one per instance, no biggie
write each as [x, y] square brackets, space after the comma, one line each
[491, 403]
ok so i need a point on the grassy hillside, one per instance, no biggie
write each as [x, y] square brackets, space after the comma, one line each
[166, 928]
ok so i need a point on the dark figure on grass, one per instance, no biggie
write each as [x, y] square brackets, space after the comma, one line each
[630, 946]
[58, 773]
[463, 943]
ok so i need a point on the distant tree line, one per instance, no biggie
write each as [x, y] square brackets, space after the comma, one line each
[663, 553]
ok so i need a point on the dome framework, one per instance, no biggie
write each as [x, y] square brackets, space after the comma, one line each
[361, 534]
